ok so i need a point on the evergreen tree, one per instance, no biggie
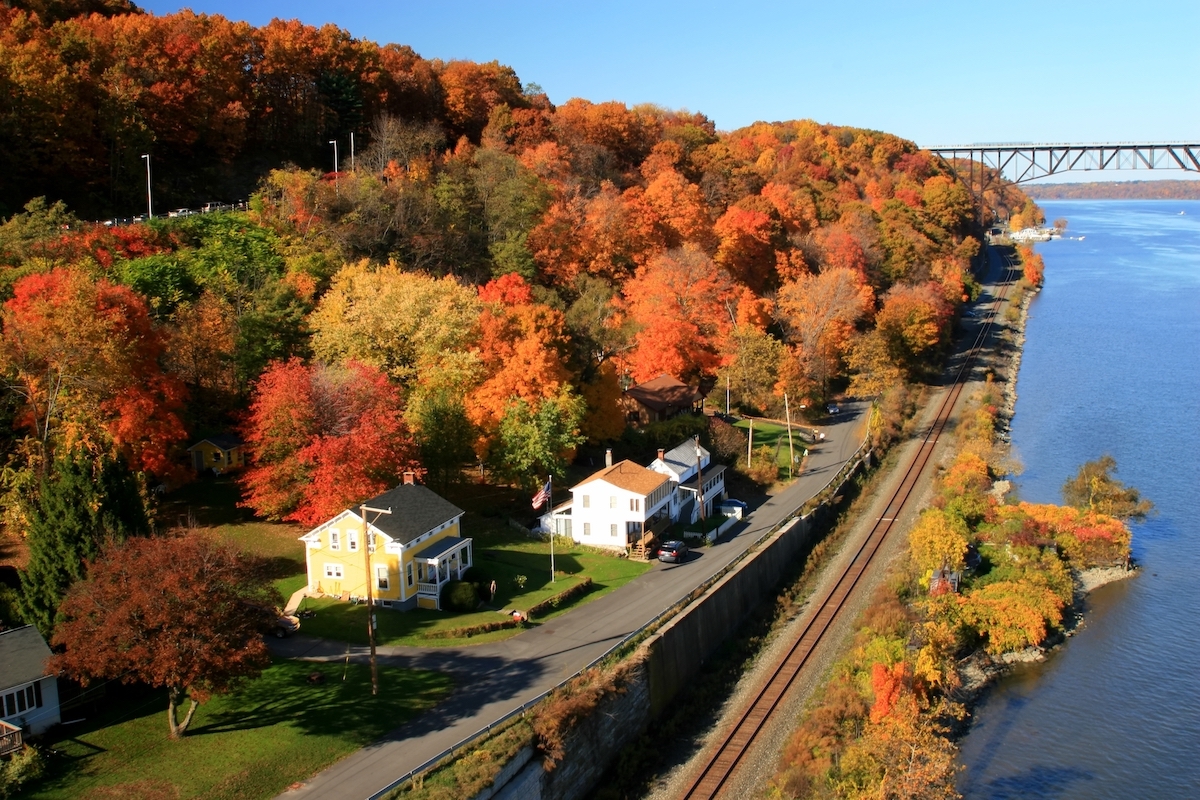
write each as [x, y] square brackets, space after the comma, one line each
[83, 503]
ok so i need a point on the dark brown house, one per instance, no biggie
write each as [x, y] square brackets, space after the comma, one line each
[660, 399]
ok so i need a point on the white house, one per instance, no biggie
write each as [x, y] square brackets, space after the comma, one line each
[681, 465]
[28, 691]
[622, 506]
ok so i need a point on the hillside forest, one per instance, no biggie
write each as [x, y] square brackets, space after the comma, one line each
[475, 288]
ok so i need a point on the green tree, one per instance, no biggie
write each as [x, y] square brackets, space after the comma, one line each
[1094, 488]
[84, 503]
[533, 442]
[444, 435]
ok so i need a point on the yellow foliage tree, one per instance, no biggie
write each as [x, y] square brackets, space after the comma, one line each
[937, 541]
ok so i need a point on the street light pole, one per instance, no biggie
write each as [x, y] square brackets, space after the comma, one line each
[366, 545]
[149, 199]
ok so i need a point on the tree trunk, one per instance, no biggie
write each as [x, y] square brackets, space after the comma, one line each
[175, 696]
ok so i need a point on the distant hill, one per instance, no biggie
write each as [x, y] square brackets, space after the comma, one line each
[1115, 190]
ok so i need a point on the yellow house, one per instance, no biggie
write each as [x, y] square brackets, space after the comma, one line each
[219, 453]
[412, 552]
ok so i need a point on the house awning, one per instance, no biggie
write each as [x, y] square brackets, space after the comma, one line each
[442, 547]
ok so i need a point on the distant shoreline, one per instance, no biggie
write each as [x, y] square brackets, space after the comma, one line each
[1115, 190]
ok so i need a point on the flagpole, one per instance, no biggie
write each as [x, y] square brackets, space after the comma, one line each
[550, 500]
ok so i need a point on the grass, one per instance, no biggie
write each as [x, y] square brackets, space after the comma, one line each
[501, 551]
[254, 743]
[503, 554]
[775, 436]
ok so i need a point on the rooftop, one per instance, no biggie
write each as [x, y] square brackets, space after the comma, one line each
[23, 654]
[629, 476]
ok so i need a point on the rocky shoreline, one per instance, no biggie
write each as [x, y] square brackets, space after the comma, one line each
[978, 670]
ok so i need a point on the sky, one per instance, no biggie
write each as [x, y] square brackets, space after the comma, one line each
[937, 73]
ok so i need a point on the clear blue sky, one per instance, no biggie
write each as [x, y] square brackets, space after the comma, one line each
[933, 72]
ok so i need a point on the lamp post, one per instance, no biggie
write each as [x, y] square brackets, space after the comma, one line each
[363, 509]
[149, 199]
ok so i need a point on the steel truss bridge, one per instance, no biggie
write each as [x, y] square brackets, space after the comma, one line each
[1019, 162]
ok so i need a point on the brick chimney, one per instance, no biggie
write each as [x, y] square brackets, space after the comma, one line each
[408, 479]
[662, 454]
[608, 457]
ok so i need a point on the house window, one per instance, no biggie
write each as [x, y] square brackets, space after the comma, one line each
[612, 529]
[335, 542]
[587, 529]
[353, 539]
[587, 501]
[216, 457]
[410, 574]
[333, 571]
[612, 501]
[635, 504]
[371, 542]
[381, 578]
[22, 700]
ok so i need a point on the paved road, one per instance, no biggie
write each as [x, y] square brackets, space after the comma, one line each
[493, 679]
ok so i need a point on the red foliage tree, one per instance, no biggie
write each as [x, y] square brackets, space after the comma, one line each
[321, 438]
[181, 613]
[83, 357]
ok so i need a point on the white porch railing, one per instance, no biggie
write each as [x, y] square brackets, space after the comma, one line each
[428, 588]
[10, 738]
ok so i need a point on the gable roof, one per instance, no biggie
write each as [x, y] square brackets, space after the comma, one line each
[223, 441]
[664, 392]
[415, 510]
[628, 476]
[681, 459]
[23, 654]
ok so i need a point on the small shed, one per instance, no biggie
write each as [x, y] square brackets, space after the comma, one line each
[28, 691]
[219, 453]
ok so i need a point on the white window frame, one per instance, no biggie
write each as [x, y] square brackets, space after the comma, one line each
[410, 573]
[335, 542]
[587, 529]
[333, 570]
[612, 501]
[612, 529]
[382, 579]
[352, 540]
[587, 501]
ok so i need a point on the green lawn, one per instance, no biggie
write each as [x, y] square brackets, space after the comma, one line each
[774, 435]
[503, 554]
[500, 551]
[273, 732]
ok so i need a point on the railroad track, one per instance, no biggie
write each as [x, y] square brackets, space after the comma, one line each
[725, 759]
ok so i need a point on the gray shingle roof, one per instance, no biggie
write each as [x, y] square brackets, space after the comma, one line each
[23, 654]
[415, 510]
[440, 547]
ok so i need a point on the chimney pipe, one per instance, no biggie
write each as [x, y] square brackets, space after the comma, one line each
[408, 479]
[608, 457]
[662, 454]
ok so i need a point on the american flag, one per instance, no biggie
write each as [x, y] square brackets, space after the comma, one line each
[542, 496]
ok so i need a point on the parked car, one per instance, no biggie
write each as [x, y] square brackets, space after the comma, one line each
[286, 625]
[674, 552]
[833, 409]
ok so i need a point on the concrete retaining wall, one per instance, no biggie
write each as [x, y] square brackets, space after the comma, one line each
[676, 653]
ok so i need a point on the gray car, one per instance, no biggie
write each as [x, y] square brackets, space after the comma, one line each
[674, 552]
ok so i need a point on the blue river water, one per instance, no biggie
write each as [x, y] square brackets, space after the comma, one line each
[1111, 364]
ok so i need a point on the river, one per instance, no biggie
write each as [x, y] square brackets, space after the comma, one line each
[1111, 364]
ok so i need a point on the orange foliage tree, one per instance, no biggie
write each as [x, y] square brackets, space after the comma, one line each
[680, 301]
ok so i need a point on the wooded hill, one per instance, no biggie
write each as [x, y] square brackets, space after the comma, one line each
[1116, 190]
[479, 284]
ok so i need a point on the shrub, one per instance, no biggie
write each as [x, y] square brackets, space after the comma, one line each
[460, 596]
[481, 579]
[561, 598]
[24, 766]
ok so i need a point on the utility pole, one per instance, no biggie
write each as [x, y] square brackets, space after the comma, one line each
[363, 509]
[149, 198]
[352, 151]
[750, 446]
[550, 508]
[791, 452]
